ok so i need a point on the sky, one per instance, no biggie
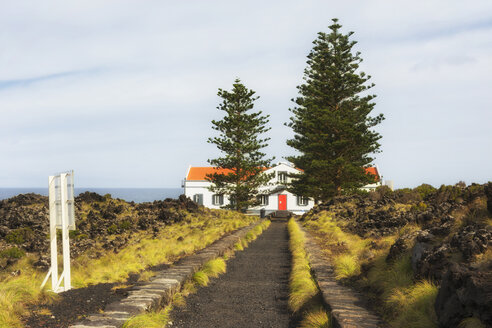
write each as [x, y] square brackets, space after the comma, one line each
[123, 92]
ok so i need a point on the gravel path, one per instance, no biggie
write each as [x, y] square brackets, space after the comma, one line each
[253, 292]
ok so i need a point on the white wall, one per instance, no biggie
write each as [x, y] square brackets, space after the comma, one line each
[201, 187]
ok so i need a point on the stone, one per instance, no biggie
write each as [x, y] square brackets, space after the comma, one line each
[465, 292]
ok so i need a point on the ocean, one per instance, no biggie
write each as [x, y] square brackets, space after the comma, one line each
[138, 195]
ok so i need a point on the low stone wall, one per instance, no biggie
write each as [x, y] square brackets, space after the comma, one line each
[159, 291]
[346, 305]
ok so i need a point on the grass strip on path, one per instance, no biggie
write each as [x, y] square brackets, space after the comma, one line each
[305, 297]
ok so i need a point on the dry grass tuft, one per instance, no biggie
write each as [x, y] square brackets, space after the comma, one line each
[155, 319]
[316, 319]
[471, 323]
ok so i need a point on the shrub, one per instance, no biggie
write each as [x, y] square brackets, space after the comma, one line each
[19, 236]
[125, 225]
[425, 190]
[12, 253]
[112, 229]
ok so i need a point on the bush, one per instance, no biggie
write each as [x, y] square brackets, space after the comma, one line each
[19, 236]
[125, 225]
[12, 253]
[425, 190]
[112, 229]
[407, 195]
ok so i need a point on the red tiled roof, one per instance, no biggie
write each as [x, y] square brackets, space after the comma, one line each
[198, 173]
[373, 171]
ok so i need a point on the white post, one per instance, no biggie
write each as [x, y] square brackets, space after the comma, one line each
[62, 216]
[65, 234]
[54, 253]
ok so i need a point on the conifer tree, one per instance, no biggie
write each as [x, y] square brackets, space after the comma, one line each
[241, 143]
[332, 127]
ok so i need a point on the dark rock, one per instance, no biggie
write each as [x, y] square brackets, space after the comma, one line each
[443, 227]
[465, 292]
[472, 240]
[42, 263]
[430, 262]
[89, 197]
[401, 246]
[417, 253]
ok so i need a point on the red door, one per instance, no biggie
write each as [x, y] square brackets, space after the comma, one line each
[282, 202]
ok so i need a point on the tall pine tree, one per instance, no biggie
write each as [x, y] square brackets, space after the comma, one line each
[241, 143]
[331, 122]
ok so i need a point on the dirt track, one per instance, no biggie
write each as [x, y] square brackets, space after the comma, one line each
[253, 292]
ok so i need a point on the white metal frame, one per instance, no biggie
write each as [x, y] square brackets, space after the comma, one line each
[62, 216]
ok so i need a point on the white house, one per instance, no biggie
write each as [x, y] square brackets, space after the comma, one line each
[274, 196]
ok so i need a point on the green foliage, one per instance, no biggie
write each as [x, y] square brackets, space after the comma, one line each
[331, 120]
[112, 229]
[19, 236]
[125, 225]
[425, 190]
[74, 233]
[240, 142]
[12, 253]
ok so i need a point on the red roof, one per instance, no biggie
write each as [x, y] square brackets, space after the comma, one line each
[373, 171]
[198, 173]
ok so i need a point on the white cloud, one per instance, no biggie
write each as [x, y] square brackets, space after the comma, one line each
[124, 91]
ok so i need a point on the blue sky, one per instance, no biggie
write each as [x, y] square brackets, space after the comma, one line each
[123, 92]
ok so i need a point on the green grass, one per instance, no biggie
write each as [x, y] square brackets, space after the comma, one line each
[304, 293]
[414, 305]
[197, 233]
[346, 266]
[214, 268]
[301, 284]
[16, 292]
[154, 319]
[402, 301]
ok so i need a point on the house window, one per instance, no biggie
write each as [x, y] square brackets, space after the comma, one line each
[198, 198]
[263, 199]
[218, 199]
[282, 177]
[302, 201]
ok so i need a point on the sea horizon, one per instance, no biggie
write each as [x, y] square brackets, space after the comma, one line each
[138, 195]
